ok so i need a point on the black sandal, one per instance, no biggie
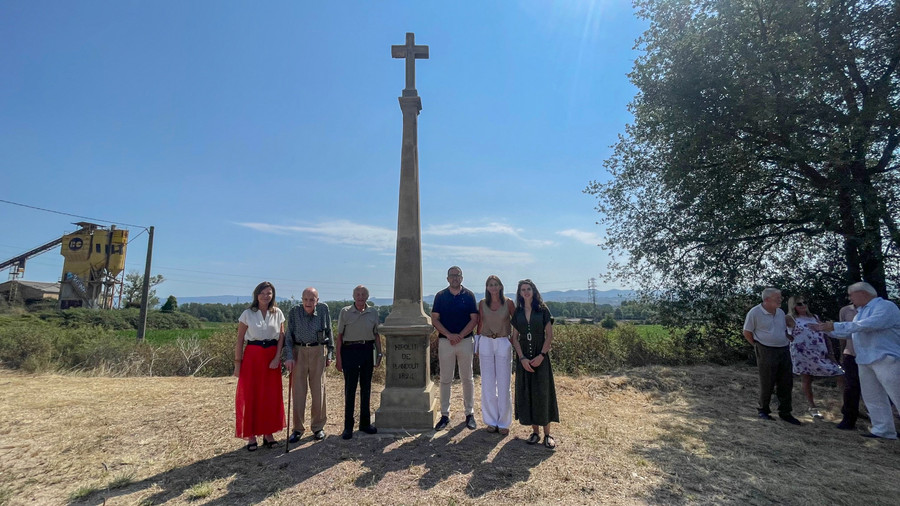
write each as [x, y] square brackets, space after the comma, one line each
[252, 446]
[269, 444]
[534, 438]
[549, 442]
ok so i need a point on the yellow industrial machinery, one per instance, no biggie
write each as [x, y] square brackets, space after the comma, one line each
[94, 265]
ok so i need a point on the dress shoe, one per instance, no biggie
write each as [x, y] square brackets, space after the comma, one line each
[876, 436]
[765, 416]
[347, 434]
[845, 425]
[371, 429]
[470, 422]
[319, 435]
[789, 418]
[295, 437]
[442, 423]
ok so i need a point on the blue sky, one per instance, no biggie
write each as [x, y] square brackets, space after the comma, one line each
[262, 139]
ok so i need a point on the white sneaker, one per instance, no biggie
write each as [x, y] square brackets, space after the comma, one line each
[814, 412]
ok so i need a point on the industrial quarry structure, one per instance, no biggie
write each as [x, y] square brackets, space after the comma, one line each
[93, 270]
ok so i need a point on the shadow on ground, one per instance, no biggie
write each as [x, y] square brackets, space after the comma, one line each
[251, 477]
[711, 447]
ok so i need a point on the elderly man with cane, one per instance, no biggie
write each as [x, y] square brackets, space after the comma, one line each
[309, 348]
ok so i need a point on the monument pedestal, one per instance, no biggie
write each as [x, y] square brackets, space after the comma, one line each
[408, 402]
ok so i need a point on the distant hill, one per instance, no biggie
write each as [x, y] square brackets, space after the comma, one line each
[611, 297]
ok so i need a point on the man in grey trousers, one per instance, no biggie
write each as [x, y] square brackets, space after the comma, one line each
[766, 329]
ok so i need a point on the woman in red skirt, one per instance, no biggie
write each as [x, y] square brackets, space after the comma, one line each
[259, 407]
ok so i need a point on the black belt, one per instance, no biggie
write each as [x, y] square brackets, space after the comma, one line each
[356, 344]
[266, 343]
[305, 344]
[771, 347]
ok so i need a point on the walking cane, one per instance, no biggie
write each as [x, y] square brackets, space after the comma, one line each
[287, 440]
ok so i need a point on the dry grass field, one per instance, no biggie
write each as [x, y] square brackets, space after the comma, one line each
[655, 435]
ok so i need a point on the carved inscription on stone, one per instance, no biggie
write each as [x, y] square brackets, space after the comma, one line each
[405, 365]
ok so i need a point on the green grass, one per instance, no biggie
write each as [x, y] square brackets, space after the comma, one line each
[653, 333]
[165, 336]
[121, 480]
[82, 492]
[199, 491]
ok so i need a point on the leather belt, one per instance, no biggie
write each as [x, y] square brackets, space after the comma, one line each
[265, 343]
[307, 345]
[494, 336]
[356, 344]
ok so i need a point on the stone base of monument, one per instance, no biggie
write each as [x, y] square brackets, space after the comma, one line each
[408, 400]
[407, 410]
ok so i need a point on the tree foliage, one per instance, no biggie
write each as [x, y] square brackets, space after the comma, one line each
[134, 285]
[170, 306]
[764, 150]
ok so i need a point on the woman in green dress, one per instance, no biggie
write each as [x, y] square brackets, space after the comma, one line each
[532, 336]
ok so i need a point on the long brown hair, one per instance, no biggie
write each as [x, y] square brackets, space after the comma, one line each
[487, 293]
[256, 291]
[537, 302]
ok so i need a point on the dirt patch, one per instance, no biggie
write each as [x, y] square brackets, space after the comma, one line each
[645, 436]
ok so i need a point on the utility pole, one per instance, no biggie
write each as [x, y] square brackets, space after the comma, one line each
[145, 293]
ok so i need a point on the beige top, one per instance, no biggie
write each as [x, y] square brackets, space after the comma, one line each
[355, 326]
[846, 315]
[494, 323]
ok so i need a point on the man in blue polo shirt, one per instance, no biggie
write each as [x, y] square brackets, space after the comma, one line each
[455, 315]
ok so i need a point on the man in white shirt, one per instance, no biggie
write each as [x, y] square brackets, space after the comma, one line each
[766, 329]
[875, 331]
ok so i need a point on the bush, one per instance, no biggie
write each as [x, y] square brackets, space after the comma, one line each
[33, 345]
[119, 319]
[26, 346]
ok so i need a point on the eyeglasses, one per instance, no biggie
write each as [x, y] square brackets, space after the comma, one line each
[454, 275]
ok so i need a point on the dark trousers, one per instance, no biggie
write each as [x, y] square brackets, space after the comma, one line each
[357, 361]
[850, 408]
[774, 375]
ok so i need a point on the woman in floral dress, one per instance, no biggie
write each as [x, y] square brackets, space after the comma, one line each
[810, 351]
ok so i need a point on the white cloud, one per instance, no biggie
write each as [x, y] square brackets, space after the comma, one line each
[477, 255]
[385, 240]
[490, 228]
[336, 232]
[589, 238]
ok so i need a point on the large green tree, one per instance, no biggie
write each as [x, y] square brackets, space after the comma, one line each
[764, 149]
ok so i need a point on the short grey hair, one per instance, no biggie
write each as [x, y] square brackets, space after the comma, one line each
[862, 286]
[768, 292]
[455, 267]
[363, 288]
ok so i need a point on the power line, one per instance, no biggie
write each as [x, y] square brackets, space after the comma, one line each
[70, 214]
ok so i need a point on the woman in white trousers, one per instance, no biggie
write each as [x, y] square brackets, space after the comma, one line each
[494, 351]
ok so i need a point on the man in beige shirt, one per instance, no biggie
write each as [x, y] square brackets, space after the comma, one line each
[358, 353]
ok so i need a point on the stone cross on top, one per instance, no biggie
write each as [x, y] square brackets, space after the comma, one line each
[411, 52]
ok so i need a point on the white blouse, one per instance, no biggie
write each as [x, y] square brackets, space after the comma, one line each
[261, 328]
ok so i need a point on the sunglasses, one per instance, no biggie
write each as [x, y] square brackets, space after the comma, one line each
[801, 303]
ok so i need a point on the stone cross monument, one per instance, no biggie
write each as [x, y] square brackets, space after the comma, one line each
[408, 400]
